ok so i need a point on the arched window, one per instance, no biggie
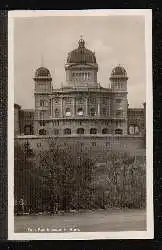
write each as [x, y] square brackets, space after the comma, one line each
[118, 131]
[80, 111]
[67, 112]
[93, 131]
[42, 132]
[80, 131]
[105, 131]
[92, 112]
[56, 113]
[56, 131]
[67, 131]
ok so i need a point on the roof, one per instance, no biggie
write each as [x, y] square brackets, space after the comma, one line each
[81, 55]
[42, 72]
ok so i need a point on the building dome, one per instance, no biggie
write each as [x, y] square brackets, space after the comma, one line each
[42, 72]
[81, 55]
[119, 71]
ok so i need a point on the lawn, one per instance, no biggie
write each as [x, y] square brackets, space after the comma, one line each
[88, 221]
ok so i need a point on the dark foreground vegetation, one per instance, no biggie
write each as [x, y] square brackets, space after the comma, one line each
[62, 179]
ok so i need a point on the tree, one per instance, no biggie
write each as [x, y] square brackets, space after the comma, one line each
[28, 184]
[126, 181]
[68, 173]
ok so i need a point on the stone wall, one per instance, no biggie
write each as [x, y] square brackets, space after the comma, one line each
[97, 147]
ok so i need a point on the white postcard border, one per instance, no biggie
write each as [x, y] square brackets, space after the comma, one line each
[149, 129]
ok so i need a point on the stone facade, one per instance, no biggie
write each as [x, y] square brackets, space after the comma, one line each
[82, 110]
[82, 105]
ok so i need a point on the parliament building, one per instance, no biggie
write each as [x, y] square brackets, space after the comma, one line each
[81, 108]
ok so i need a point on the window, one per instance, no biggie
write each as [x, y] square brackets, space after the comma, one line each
[42, 123]
[27, 130]
[56, 131]
[92, 112]
[107, 144]
[104, 100]
[56, 100]
[105, 131]
[131, 130]
[119, 112]
[118, 131]
[107, 123]
[42, 115]
[80, 131]
[80, 111]
[67, 131]
[93, 131]
[93, 100]
[42, 103]
[118, 101]
[56, 113]
[67, 112]
[136, 129]
[104, 111]
[38, 145]
[93, 143]
[67, 100]
[80, 100]
[42, 132]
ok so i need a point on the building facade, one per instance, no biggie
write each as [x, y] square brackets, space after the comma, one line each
[82, 109]
[82, 105]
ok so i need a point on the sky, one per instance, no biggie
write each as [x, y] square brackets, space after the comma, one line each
[47, 40]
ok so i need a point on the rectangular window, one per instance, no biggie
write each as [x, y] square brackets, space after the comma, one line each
[119, 112]
[42, 115]
[92, 100]
[67, 100]
[118, 101]
[42, 103]
[104, 112]
[104, 100]
[42, 123]
[93, 144]
[107, 123]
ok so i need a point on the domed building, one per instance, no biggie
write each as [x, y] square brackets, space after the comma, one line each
[82, 106]
[82, 112]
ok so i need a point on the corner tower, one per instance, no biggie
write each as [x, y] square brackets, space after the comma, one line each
[118, 81]
[43, 90]
[81, 67]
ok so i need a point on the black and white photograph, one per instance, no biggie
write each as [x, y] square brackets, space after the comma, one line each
[80, 125]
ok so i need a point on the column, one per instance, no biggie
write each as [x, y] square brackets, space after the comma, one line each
[73, 106]
[86, 106]
[98, 112]
[51, 107]
[61, 106]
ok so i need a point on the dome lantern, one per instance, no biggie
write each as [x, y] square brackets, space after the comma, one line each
[81, 43]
